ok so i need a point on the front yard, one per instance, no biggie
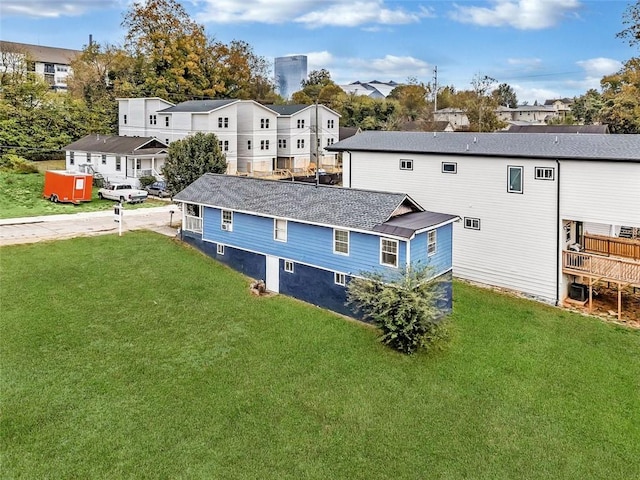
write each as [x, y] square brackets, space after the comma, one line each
[136, 357]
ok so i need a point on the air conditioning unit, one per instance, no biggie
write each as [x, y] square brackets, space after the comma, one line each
[225, 226]
[578, 291]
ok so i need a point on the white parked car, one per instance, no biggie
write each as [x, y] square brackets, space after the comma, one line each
[123, 193]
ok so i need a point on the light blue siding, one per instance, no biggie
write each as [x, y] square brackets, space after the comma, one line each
[442, 259]
[309, 244]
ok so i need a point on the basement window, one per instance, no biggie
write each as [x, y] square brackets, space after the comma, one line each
[340, 279]
[220, 249]
[288, 266]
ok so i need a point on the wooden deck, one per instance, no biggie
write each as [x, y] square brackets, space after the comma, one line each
[616, 246]
[608, 269]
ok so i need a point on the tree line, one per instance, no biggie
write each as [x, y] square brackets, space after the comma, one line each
[166, 54]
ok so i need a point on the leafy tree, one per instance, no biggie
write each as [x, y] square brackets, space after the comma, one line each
[505, 95]
[631, 18]
[586, 108]
[406, 309]
[480, 107]
[621, 99]
[412, 98]
[188, 159]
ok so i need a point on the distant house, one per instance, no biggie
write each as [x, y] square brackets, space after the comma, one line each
[51, 63]
[599, 129]
[308, 241]
[527, 200]
[117, 158]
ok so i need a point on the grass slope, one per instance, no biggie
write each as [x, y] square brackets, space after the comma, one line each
[136, 357]
[21, 196]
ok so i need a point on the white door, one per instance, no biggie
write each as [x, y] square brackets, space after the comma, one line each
[273, 274]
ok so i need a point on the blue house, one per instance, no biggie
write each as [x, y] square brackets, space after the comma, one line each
[308, 241]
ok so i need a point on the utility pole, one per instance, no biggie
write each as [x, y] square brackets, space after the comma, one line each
[435, 89]
[317, 141]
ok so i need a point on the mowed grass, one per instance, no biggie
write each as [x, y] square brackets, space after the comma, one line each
[137, 357]
[21, 196]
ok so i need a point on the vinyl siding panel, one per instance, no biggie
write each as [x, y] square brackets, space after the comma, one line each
[309, 244]
[442, 260]
[601, 192]
[516, 245]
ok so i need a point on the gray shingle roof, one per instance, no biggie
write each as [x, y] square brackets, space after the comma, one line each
[406, 225]
[530, 145]
[287, 109]
[40, 53]
[198, 106]
[304, 202]
[117, 144]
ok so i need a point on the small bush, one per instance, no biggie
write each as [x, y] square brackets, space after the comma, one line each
[14, 163]
[146, 181]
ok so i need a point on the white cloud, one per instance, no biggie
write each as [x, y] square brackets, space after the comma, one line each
[53, 8]
[600, 66]
[526, 63]
[519, 14]
[310, 13]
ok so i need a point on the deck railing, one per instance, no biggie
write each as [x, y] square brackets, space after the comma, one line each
[606, 268]
[619, 247]
[193, 224]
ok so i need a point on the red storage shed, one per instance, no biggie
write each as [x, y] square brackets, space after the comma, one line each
[63, 186]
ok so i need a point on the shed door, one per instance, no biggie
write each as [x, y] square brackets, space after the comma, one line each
[78, 187]
[273, 274]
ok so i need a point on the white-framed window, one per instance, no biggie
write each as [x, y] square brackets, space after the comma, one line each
[279, 229]
[220, 249]
[264, 123]
[124, 119]
[406, 164]
[330, 141]
[449, 167]
[224, 146]
[223, 122]
[72, 158]
[301, 123]
[118, 164]
[431, 242]
[264, 144]
[472, 223]
[300, 143]
[514, 179]
[153, 120]
[339, 279]
[545, 173]
[389, 252]
[88, 157]
[288, 266]
[166, 140]
[282, 143]
[104, 159]
[341, 241]
[227, 220]
[166, 120]
[329, 123]
[248, 144]
[138, 164]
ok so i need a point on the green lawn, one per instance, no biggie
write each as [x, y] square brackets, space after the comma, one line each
[21, 196]
[136, 357]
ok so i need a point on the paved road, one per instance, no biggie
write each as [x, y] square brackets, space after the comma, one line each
[52, 227]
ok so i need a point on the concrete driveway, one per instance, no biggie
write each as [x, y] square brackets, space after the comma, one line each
[52, 227]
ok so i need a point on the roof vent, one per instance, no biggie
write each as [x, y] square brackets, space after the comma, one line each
[475, 139]
[556, 140]
[467, 147]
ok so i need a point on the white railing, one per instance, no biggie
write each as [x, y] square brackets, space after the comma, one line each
[193, 224]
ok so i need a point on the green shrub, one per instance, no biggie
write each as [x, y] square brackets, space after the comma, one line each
[404, 308]
[146, 181]
[14, 163]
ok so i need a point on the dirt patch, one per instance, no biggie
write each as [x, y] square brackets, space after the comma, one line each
[605, 304]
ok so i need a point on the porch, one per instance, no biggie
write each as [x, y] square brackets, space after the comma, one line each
[624, 272]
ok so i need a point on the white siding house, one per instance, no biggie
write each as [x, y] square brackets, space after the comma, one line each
[523, 198]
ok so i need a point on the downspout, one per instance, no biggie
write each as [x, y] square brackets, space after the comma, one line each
[558, 240]
[350, 160]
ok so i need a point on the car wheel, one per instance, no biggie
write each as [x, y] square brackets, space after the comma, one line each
[160, 194]
[121, 199]
[100, 196]
[54, 198]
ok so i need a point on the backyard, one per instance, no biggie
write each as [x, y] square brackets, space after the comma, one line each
[21, 196]
[171, 369]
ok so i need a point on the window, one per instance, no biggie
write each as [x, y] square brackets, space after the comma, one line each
[514, 179]
[118, 164]
[223, 122]
[406, 164]
[330, 141]
[264, 123]
[300, 123]
[71, 158]
[88, 157]
[152, 120]
[138, 164]
[280, 230]
[340, 279]
[329, 123]
[104, 159]
[389, 252]
[220, 249]
[544, 173]
[472, 223]
[449, 167]
[166, 121]
[431, 242]
[341, 242]
[227, 220]
[288, 266]
[248, 144]
[224, 145]
[264, 144]
[124, 119]
[282, 143]
[300, 143]
[166, 140]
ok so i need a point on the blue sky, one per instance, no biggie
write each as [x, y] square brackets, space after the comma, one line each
[542, 48]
